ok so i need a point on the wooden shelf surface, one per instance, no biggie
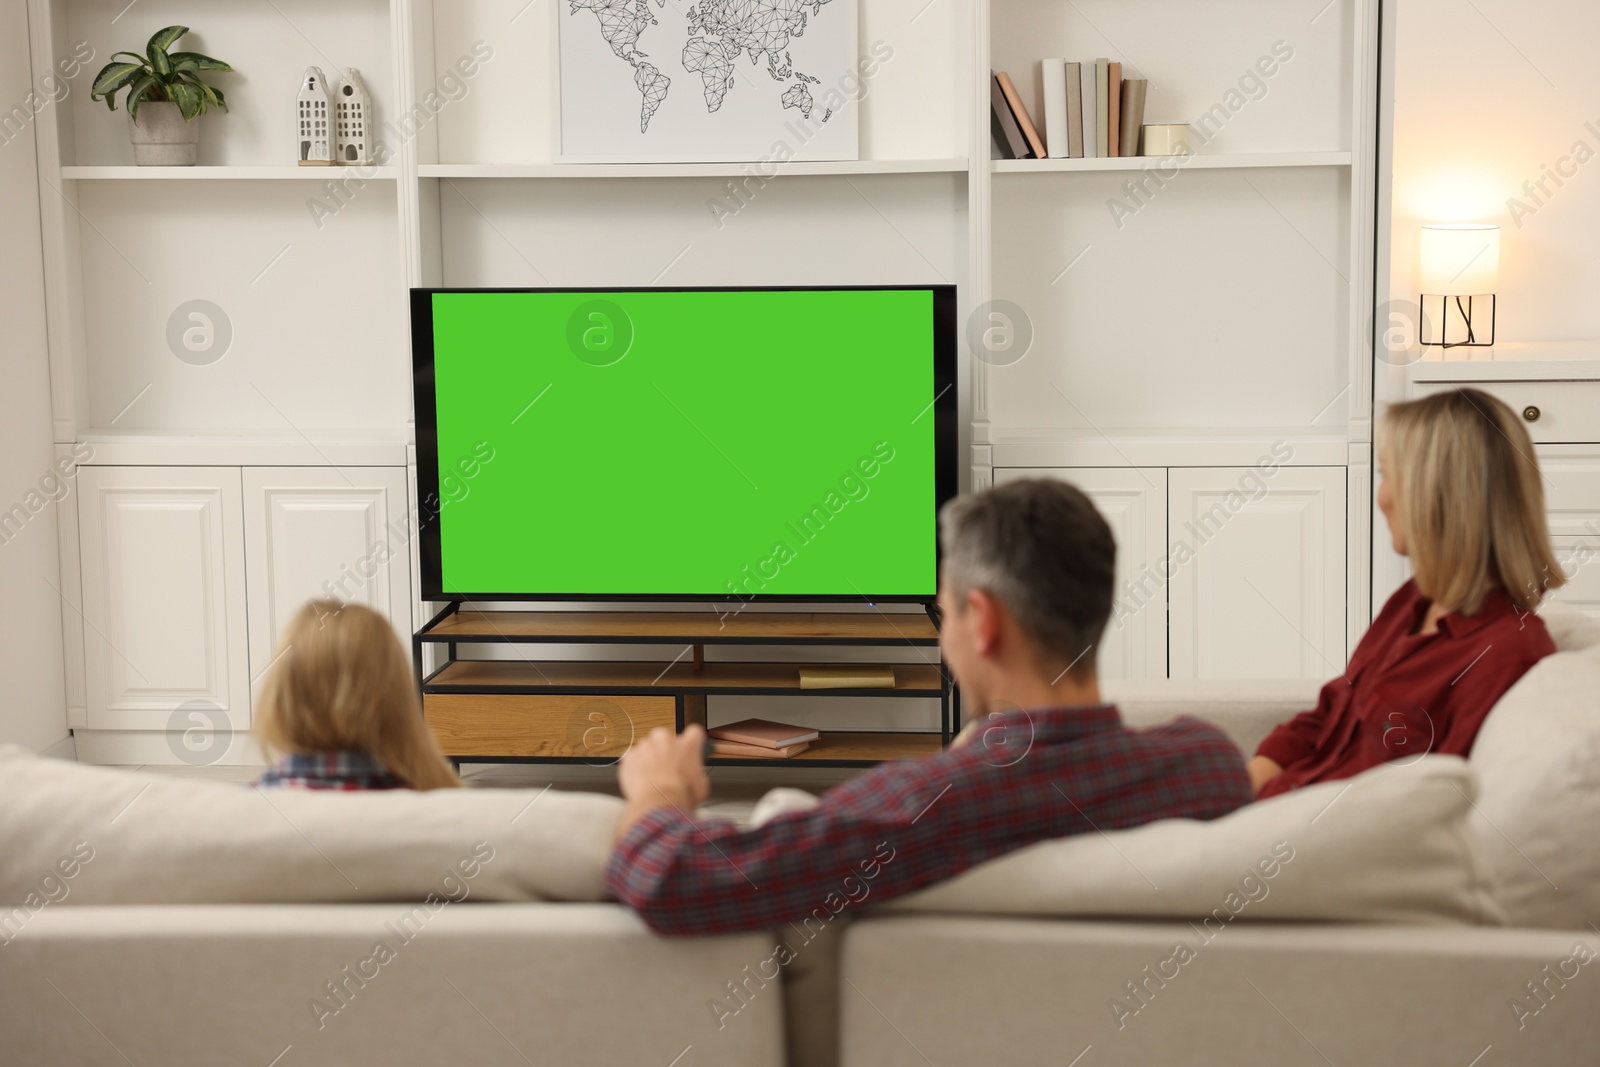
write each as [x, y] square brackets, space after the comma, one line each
[708, 627]
[918, 678]
[845, 745]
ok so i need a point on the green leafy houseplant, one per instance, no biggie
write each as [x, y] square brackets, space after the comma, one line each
[159, 75]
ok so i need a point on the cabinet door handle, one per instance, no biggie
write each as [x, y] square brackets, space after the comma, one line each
[1531, 413]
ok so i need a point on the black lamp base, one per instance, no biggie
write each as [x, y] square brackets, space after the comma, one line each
[1464, 321]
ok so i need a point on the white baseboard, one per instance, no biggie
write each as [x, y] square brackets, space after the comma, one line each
[63, 749]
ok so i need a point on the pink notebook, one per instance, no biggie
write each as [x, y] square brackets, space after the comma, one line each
[734, 748]
[763, 733]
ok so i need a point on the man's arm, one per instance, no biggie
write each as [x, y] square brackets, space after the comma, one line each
[663, 771]
[899, 826]
[689, 876]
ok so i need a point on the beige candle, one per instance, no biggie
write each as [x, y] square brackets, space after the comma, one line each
[1171, 139]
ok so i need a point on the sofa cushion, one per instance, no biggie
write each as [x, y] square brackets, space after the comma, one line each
[1390, 845]
[1537, 758]
[93, 835]
[1571, 630]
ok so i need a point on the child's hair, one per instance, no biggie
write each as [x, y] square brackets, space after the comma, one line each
[1470, 497]
[341, 680]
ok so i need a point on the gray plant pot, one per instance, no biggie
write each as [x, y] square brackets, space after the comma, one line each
[160, 136]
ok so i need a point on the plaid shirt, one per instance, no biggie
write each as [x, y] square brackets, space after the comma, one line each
[349, 770]
[1025, 777]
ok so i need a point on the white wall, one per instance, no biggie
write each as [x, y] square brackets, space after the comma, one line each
[1487, 96]
[33, 709]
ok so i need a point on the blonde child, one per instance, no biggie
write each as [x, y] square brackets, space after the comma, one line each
[339, 708]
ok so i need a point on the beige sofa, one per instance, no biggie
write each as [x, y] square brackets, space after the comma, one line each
[1422, 904]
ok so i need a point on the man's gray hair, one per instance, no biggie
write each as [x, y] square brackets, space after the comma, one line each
[1042, 549]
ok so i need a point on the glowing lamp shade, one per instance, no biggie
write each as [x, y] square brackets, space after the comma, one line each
[1460, 260]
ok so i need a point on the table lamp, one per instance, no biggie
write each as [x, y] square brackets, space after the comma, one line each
[1460, 271]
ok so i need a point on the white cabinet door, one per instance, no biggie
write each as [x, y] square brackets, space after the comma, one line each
[163, 595]
[1134, 503]
[1258, 584]
[334, 532]
[1572, 506]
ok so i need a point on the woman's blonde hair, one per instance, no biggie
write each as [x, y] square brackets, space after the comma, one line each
[341, 680]
[1469, 494]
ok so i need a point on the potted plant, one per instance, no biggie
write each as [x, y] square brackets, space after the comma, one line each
[165, 96]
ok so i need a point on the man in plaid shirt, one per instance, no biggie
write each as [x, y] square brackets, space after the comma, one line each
[1025, 592]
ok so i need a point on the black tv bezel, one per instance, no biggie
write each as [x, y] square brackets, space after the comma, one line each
[943, 409]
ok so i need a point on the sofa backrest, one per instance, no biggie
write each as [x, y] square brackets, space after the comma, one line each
[1245, 710]
[95, 835]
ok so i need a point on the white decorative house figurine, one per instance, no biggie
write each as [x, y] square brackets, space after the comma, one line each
[314, 112]
[354, 113]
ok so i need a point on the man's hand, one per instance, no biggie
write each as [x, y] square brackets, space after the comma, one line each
[1261, 771]
[663, 770]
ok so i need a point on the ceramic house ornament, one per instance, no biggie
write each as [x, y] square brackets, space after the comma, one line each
[314, 112]
[353, 115]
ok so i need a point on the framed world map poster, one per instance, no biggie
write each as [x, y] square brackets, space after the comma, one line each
[714, 81]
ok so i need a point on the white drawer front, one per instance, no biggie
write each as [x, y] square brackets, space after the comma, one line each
[1571, 478]
[1569, 412]
[1580, 559]
[1572, 506]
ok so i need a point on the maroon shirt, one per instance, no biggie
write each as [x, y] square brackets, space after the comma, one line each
[1406, 694]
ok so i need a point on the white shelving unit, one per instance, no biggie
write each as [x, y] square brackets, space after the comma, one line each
[1189, 317]
[1225, 315]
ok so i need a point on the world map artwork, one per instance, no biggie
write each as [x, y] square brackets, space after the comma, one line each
[719, 32]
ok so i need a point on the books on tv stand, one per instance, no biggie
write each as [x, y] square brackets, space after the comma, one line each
[589, 711]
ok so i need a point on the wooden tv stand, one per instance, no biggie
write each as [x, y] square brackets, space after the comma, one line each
[590, 711]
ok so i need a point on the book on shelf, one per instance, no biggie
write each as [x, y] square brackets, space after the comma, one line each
[1134, 91]
[763, 733]
[1007, 134]
[1053, 79]
[1020, 113]
[1102, 107]
[1114, 109]
[1086, 90]
[734, 748]
[1090, 110]
[851, 676]
[1075, 110]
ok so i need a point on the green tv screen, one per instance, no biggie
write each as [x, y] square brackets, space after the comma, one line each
[713, 444]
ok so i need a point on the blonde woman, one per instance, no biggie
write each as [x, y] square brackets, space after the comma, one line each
[340, 707]
[1462, 495]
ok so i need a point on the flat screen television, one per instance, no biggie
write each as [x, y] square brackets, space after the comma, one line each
[788, 443]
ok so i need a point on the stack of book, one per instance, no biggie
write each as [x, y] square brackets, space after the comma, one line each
[760, 739]
[1090, 110]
